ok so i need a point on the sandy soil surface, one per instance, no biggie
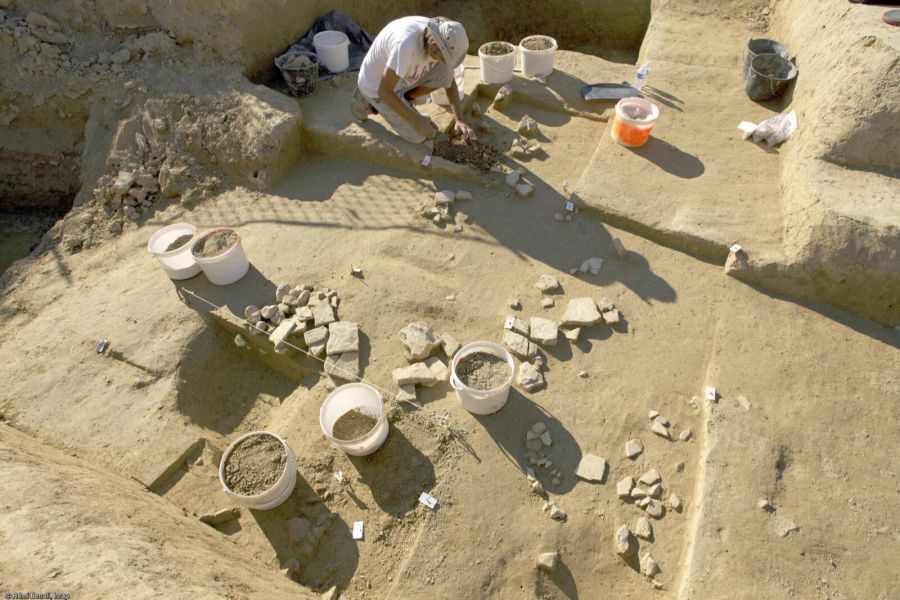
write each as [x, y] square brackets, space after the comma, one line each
[779, 483]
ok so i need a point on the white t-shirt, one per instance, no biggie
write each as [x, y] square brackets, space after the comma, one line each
[399, 46]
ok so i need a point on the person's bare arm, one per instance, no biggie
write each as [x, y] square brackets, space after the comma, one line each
[387, 95]
[461, 126]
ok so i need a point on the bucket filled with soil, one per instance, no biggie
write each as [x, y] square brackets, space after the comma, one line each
[353, 420]
[482, 373]
[220, 254]
[538, 53]
[498, 59]
[171, 247]
[258, 470]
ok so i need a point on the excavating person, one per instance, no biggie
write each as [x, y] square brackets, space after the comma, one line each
[409, 58]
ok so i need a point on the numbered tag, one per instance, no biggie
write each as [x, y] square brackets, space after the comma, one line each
[426, 161]
[510, 321]
[710, 393]
[339, 475]
[357, 530]
[735, 248]
[428, 500]
[570, 206]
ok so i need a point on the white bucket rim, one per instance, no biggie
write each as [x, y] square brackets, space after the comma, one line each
[159, 233]
[201, 260]
[320, 39]
[553, 45]
[332, 394]
[643, 102]
[471, 349]
[256, 497]
[512, 50]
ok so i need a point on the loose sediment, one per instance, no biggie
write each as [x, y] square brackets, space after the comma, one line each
[483, 371]
[353, 425]
[254, 465]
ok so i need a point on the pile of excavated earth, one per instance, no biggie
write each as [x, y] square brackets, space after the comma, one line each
[699, 337]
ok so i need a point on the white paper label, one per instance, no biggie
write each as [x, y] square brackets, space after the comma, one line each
[735, 248]
[710, 393]
[570, 207]
[426, 161]
[510, 321]
[428, 500]
[339, 475]
[357, 530]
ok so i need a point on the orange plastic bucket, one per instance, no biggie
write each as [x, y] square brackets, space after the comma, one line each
[633, 121]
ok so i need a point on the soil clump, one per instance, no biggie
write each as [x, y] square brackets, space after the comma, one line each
[254, 465]
[483, 371]
[179, 242]
[495, 49]
[353, 425]
[215, 244]
[537, 44]
[472, 152]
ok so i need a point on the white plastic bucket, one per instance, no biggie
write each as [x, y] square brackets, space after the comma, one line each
[363, 398]
[481, 402]
[276, 494]
[459, 76]
[179, 263]
[225, 268]
[332, 49]
[537, 63]
[497, 69]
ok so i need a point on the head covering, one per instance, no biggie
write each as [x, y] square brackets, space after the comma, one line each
[451, 39]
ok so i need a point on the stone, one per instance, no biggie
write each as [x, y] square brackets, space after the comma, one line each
[652, 415]
[649, 568]
[39, 20]
[581, 312]
[764, 504]
[584, 374]
[660, 430]
[530, 377]
[304, 313]
[593, 265]
[544, 331]
[623, 541]
[546, 439]
[121, 57]
[299, 530]
[414, 374]
[51, 37]
[503, 98]
[633, 448]
[605, 304]
[281, 291]
[679, 467]
[517, 325]
[343, 336]
[250, 310]
[528, 127]
[675, 502]
[547, 302]
[267, 312]
[123, 182]
[323, 314]
[407, 393]
[643, 529]
[624, 487]
[240, 341]
[784, 526]
[654, 508]
[285, 310]
[221, 516]
[343, 366]
[289, 300]
[419, 339]
[519, 345]
[539, 428]
[572, 334]
[547, 561]
[643, 501]
[537, 488]
[282, 331]
[619, 248]
[611, 317]
[331, 594]
[685, 435]
[655, 490]
[548, 283]
[557, 514]
[534, 444]
[303, 297]
[440, 370]
[277, 318]
[638, 493]
[463, 196]
[744, 402]
[662, 420]
[514, 303]
[524, 190]
[512, 179]
[650, 477]
[443, 198]
[316, 339]
[591, 468]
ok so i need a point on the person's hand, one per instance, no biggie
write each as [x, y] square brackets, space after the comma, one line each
[462, 129]
[425, 127]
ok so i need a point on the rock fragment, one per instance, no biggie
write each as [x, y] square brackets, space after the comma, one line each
[544, 331]
[221, 516]
[581, 312]
[530, 377]
[444, 198]
[623, 541]
[655, 490]
[633, 448]
[659, 429]
[650, 477]
[524, 189]
[517, 325]
[519, 345]
[450, 345]
[414, 374]
[440, 370]
[654, 508]
[548, 284]
[624, 487]
[649, 568]
[316, 340]
[528, 127]
[685, 435]
[591, 468]
[619, 248]
[784, 526]
[407, 393]
[557, 514]
[419, 339]
[503, 98]
[281, 291]
[462, 196]
[344, 366]
[593, 265]
[643, 529]
[546, 561]
[764, 504]
[572, 334]
[323, 314]
[611, 317]
[547, 302]
[343, 336]
[675, 502]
